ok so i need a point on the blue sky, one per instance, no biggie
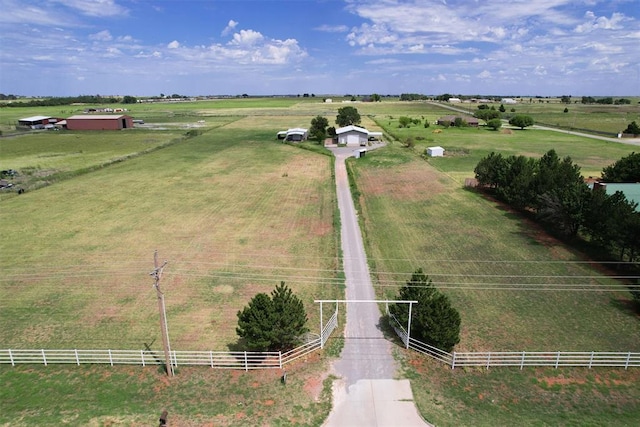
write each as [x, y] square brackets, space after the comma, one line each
[263, 47]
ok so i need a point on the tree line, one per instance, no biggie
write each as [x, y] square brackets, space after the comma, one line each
[67, 100]
[553, 190]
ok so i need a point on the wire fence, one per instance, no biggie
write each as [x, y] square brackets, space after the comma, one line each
[488, 359]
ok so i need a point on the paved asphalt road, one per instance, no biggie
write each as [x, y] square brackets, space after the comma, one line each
[366, 393]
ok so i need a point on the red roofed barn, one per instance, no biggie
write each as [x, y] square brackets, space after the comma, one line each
[99, 122]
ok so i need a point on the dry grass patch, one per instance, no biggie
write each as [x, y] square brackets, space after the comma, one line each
[413, 182]
[232, 216]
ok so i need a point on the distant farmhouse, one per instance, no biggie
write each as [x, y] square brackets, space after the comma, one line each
[508, 101]
[451, 120]
[98, 122]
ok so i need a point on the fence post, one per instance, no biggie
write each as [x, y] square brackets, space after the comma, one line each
[246, 362]
[142, 357]
[557, 360]
[522, 361]
[211, 358]
[626, 365]
[488, 359]
[77, 358]
[44, 357]
[280, 358]
[591, 359]
[11, 358]
[110, 358]
[453, 361]
[321, 328]
[409, 324]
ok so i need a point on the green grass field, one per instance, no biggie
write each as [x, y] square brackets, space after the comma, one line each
[417, 214]
[235, 212]
[80, 249]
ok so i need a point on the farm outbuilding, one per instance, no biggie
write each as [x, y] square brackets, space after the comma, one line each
[352, 136]
[99, 122]
[294, 134]
[435, 151]
[37, 122]
[630, 190]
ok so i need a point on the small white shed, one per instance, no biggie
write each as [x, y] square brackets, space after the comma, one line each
[435, 151]
[359, 153]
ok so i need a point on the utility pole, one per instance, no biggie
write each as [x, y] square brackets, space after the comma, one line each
[157, 275]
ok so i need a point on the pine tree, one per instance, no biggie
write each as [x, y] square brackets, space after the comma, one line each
[434, 320]
[272, 323]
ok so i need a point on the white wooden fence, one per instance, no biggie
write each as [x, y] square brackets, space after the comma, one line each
[521, 359]
[215, 359]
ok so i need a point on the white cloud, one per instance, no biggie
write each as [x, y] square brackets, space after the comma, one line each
[600, 22]
[332, 28]
[230, 27]
[104, 35]
[173, 45]
[101, 8]
[246, 38]
[540, 70]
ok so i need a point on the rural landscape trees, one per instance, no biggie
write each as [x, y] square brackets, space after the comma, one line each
[272, 323]
[553, 189]
[522, 121]
[627, 169]
[347, 116]
[434, 320]
[318, 129]
[633, 129]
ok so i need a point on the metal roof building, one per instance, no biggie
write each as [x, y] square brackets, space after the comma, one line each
[99, 122]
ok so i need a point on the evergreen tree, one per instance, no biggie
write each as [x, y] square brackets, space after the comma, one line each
[434, 320]
[627, 169]
[272, 323]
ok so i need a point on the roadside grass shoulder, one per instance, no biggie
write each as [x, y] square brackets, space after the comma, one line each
[119, 396]
[534, 396]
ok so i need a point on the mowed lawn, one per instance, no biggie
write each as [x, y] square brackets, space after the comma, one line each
[232, 211]
[416, 215]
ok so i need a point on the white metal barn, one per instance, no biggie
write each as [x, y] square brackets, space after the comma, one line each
[352, 136]
[435, 151]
